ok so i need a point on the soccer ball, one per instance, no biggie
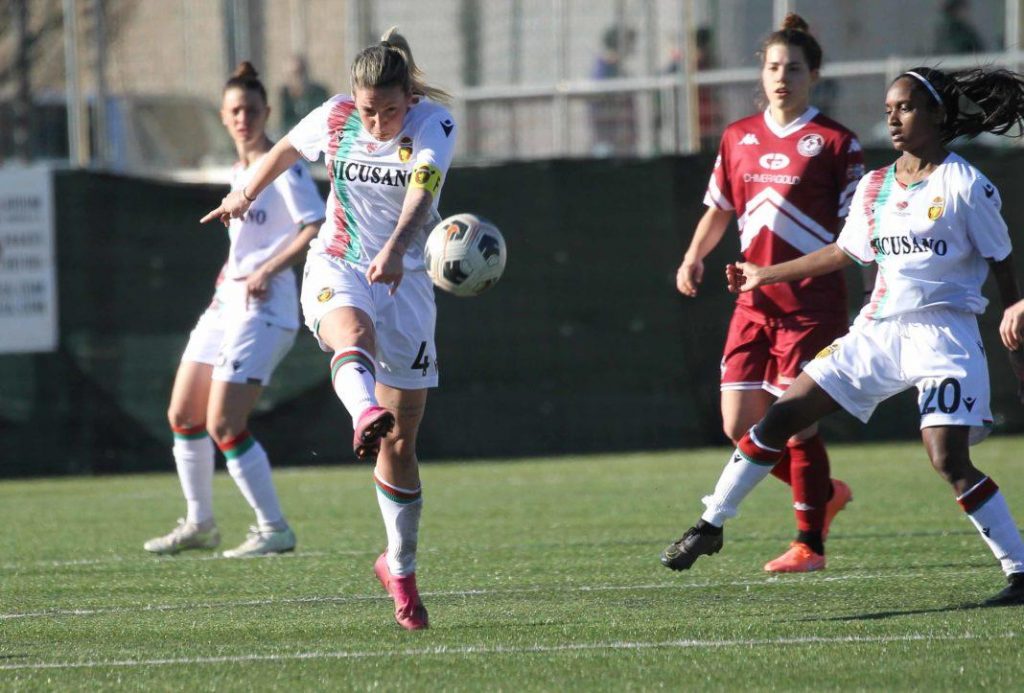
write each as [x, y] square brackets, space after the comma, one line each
[465, 255]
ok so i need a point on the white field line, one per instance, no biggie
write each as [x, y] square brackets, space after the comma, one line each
[468, 650]
[142, 558]
[274, 601]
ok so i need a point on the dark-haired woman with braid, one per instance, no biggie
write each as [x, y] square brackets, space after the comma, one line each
[365, 290]
[787, 174]
[931, 223]
[240, 339]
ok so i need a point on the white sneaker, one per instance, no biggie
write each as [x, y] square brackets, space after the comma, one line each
[262, 542]
[187, 535]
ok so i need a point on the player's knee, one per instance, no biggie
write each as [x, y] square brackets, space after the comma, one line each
[734, 430]
[223, 429]
[178, 419]
[951, 465]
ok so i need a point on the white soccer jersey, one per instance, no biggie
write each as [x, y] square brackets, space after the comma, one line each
[369, 178]
[931, 240]
[270, 224]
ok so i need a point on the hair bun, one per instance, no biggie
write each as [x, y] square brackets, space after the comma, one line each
[794, 22]
[245, 70]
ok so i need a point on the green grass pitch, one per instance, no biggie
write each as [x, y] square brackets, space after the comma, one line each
[538, 574]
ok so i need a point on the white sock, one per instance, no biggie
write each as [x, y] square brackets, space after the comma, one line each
[250, 468]
[354, 378]
[986, 507]
[401, 510]
[751, 462]
[193, 457]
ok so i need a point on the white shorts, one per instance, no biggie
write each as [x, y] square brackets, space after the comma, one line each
[937, 351]
[403, 323]
[242, 348]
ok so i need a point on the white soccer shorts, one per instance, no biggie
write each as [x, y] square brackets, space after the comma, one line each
[242, 348]
[938, 351]
[403, 323]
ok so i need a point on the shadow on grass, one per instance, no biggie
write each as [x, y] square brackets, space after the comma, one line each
[879, 615]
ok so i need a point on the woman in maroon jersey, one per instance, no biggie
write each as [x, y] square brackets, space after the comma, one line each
[787, 173]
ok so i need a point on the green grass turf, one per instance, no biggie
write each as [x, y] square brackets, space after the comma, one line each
[539, 575]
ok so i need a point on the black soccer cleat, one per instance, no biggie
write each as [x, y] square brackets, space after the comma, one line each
[1011, 595]
[680, 555]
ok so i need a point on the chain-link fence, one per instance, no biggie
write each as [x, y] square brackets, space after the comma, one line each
[532, 78]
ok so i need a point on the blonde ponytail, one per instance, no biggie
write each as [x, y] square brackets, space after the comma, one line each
[390, 63]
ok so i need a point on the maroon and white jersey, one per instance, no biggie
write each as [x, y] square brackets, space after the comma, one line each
[789, 187]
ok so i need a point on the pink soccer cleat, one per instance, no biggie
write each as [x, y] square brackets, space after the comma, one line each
[841, 495]
[409, 610]
[799, 559]
[374, 423]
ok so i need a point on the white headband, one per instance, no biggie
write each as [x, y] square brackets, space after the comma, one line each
[926, 83]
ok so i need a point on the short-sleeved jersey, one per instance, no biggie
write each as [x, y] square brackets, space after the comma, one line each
[789, 187]
[271, 223]
[931, 240]
[369, 178]
[273, 220]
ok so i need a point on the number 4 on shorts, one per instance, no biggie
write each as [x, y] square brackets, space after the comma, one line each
[422, 359]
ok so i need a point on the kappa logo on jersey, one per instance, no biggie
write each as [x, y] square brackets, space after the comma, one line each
[774, 161]
[810, 145]
[405, 149]
[447, 125]
[855, 171]
[325, 294]
[749, 138]
[935, 211]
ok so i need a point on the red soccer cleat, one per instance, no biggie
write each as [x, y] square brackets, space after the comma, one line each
[374, 423]
[409, 610]
[799, 559]
[841, 495]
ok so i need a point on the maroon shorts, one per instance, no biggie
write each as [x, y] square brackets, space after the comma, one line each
[765, 354]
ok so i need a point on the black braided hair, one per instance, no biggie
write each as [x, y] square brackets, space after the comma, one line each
[976, 100]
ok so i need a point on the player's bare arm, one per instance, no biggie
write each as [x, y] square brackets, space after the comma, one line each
[710, 230]
[279, 159]
[258, 283]
[745, 276]
[386, 267]
[1011, 328]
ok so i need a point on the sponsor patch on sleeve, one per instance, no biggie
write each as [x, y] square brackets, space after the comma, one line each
[427, 177]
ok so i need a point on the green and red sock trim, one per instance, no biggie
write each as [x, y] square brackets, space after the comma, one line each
[981, 493]
[233, 448]
[396, 494]
[755, 453]
[357, 356]
[189, 432]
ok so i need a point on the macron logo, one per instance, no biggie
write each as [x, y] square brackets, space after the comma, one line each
[749, 138]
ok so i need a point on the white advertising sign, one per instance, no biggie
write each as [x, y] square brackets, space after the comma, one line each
[28, 273]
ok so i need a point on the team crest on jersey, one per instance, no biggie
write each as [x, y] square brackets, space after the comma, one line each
[405, 149]
[810, 145]
[371, 147]
[937, 206]
[325, 294]
[828, 351]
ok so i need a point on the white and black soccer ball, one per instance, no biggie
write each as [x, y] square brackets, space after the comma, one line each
[465, 255]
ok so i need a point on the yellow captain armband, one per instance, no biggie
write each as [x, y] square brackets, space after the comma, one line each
[427, 177]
